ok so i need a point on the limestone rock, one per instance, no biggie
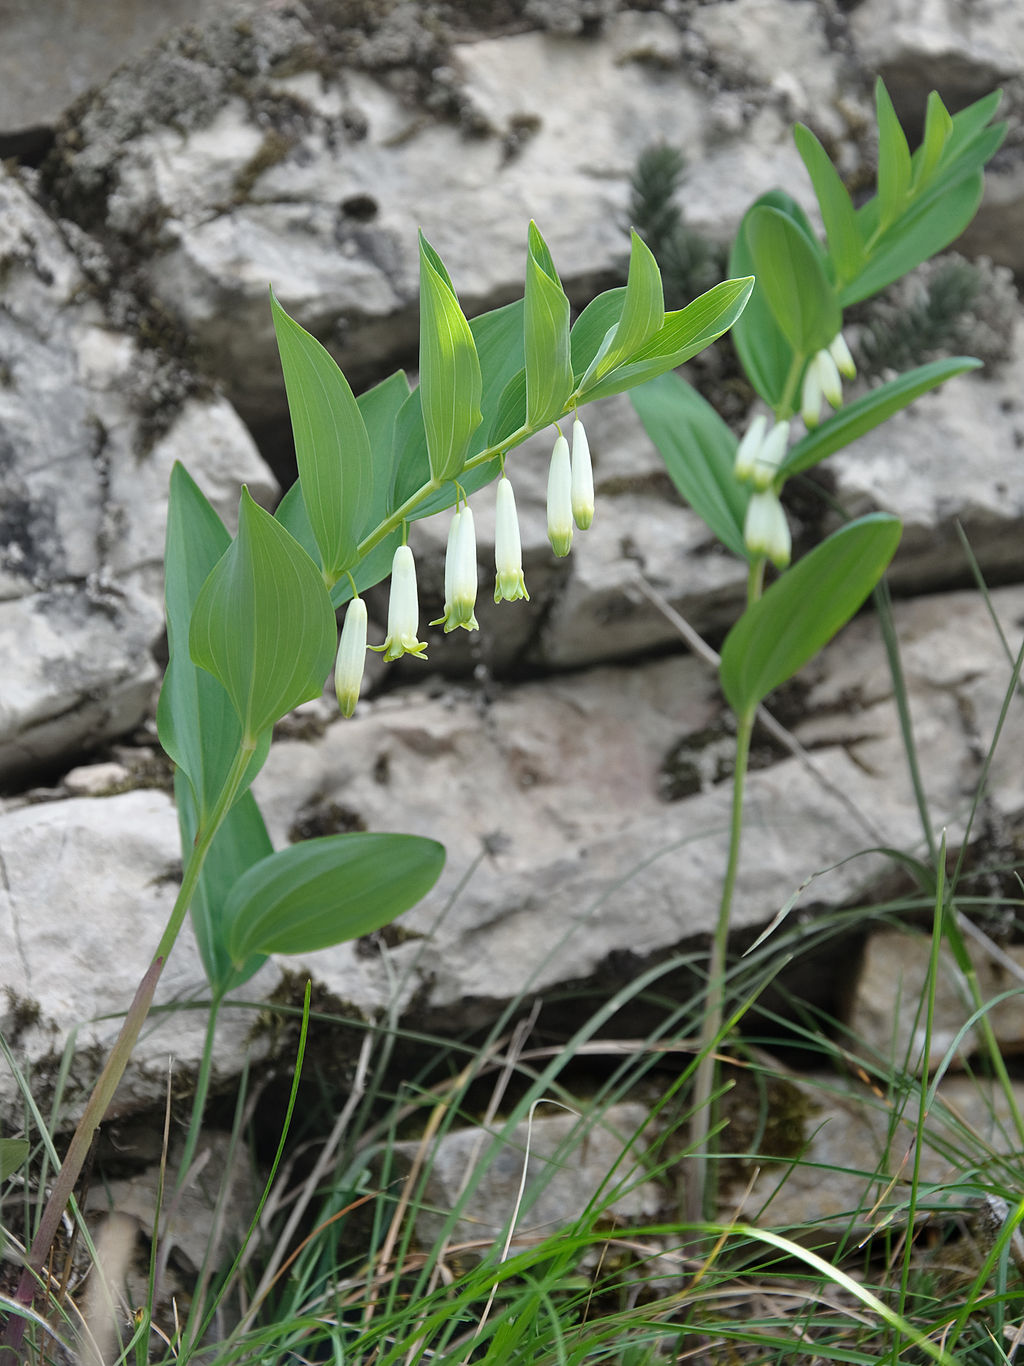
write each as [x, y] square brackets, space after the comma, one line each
[570, 1162]
[312, 169]
[887, 1012]
[551, 800]
[858, 1147]
[86, 886]
[952, 457]
[91, 423]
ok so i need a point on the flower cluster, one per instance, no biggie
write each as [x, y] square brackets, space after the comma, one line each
[758, 458]
[570, 504]
[822, 379]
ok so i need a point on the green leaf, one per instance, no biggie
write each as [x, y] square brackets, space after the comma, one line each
[197, 725]
[699, 451]
[510, 415]
[450, 383]
[13, 1154]
[790, 270]
[837, 210]
[643, 313]
[803, 609]
[893, 160]
[324, 891]
[263, 624]
[546, 336]
[682, 336]
[500, 345]
[764, 352]
[869, 411]
[938, 129]
[928, 227]
[241, 841]
[589, 330]
[332, 447]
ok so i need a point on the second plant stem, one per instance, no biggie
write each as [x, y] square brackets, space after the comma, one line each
[699, 1189]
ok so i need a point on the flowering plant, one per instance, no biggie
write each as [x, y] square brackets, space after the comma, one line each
[791, 348]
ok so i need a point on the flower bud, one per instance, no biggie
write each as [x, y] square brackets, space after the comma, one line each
[348, 671]
[509, 583]
[582, 478]
[766, 531]
[560, 498]
[403, 609]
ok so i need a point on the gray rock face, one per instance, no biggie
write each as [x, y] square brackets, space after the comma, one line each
[90, 427]
[562, 1161]
[272, 146]
[86, 886]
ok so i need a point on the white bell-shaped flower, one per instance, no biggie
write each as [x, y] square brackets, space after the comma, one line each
[348, 671]
[509, 583]
[560, 522]
[403, 609]
[766, 531]
[582, 478]
[460, 574]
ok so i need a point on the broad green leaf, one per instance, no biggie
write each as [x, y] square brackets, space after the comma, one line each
[643, 313]
[499, 337]
[699, 451]
[870, 410]
[263, 624]
[450, 383]
[411, 458]
[837, 210]
[973, 119]
[893, 160]
[380, 407]
[13, 1154]
[546, 335]
[241, 841]
[332, 447]
[790, 270]
[324, 891]
[938, 129]
[682, 336]
[589, 330]
[764, 352]
[197, 724]
[510, 414]
[803, 609]
[928, 227]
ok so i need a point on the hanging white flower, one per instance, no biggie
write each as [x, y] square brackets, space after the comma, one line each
[582, 484]
[560, 521]
[766, 531]
[460, 574]
[509, 583]
[348, 671]
[403, 609]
